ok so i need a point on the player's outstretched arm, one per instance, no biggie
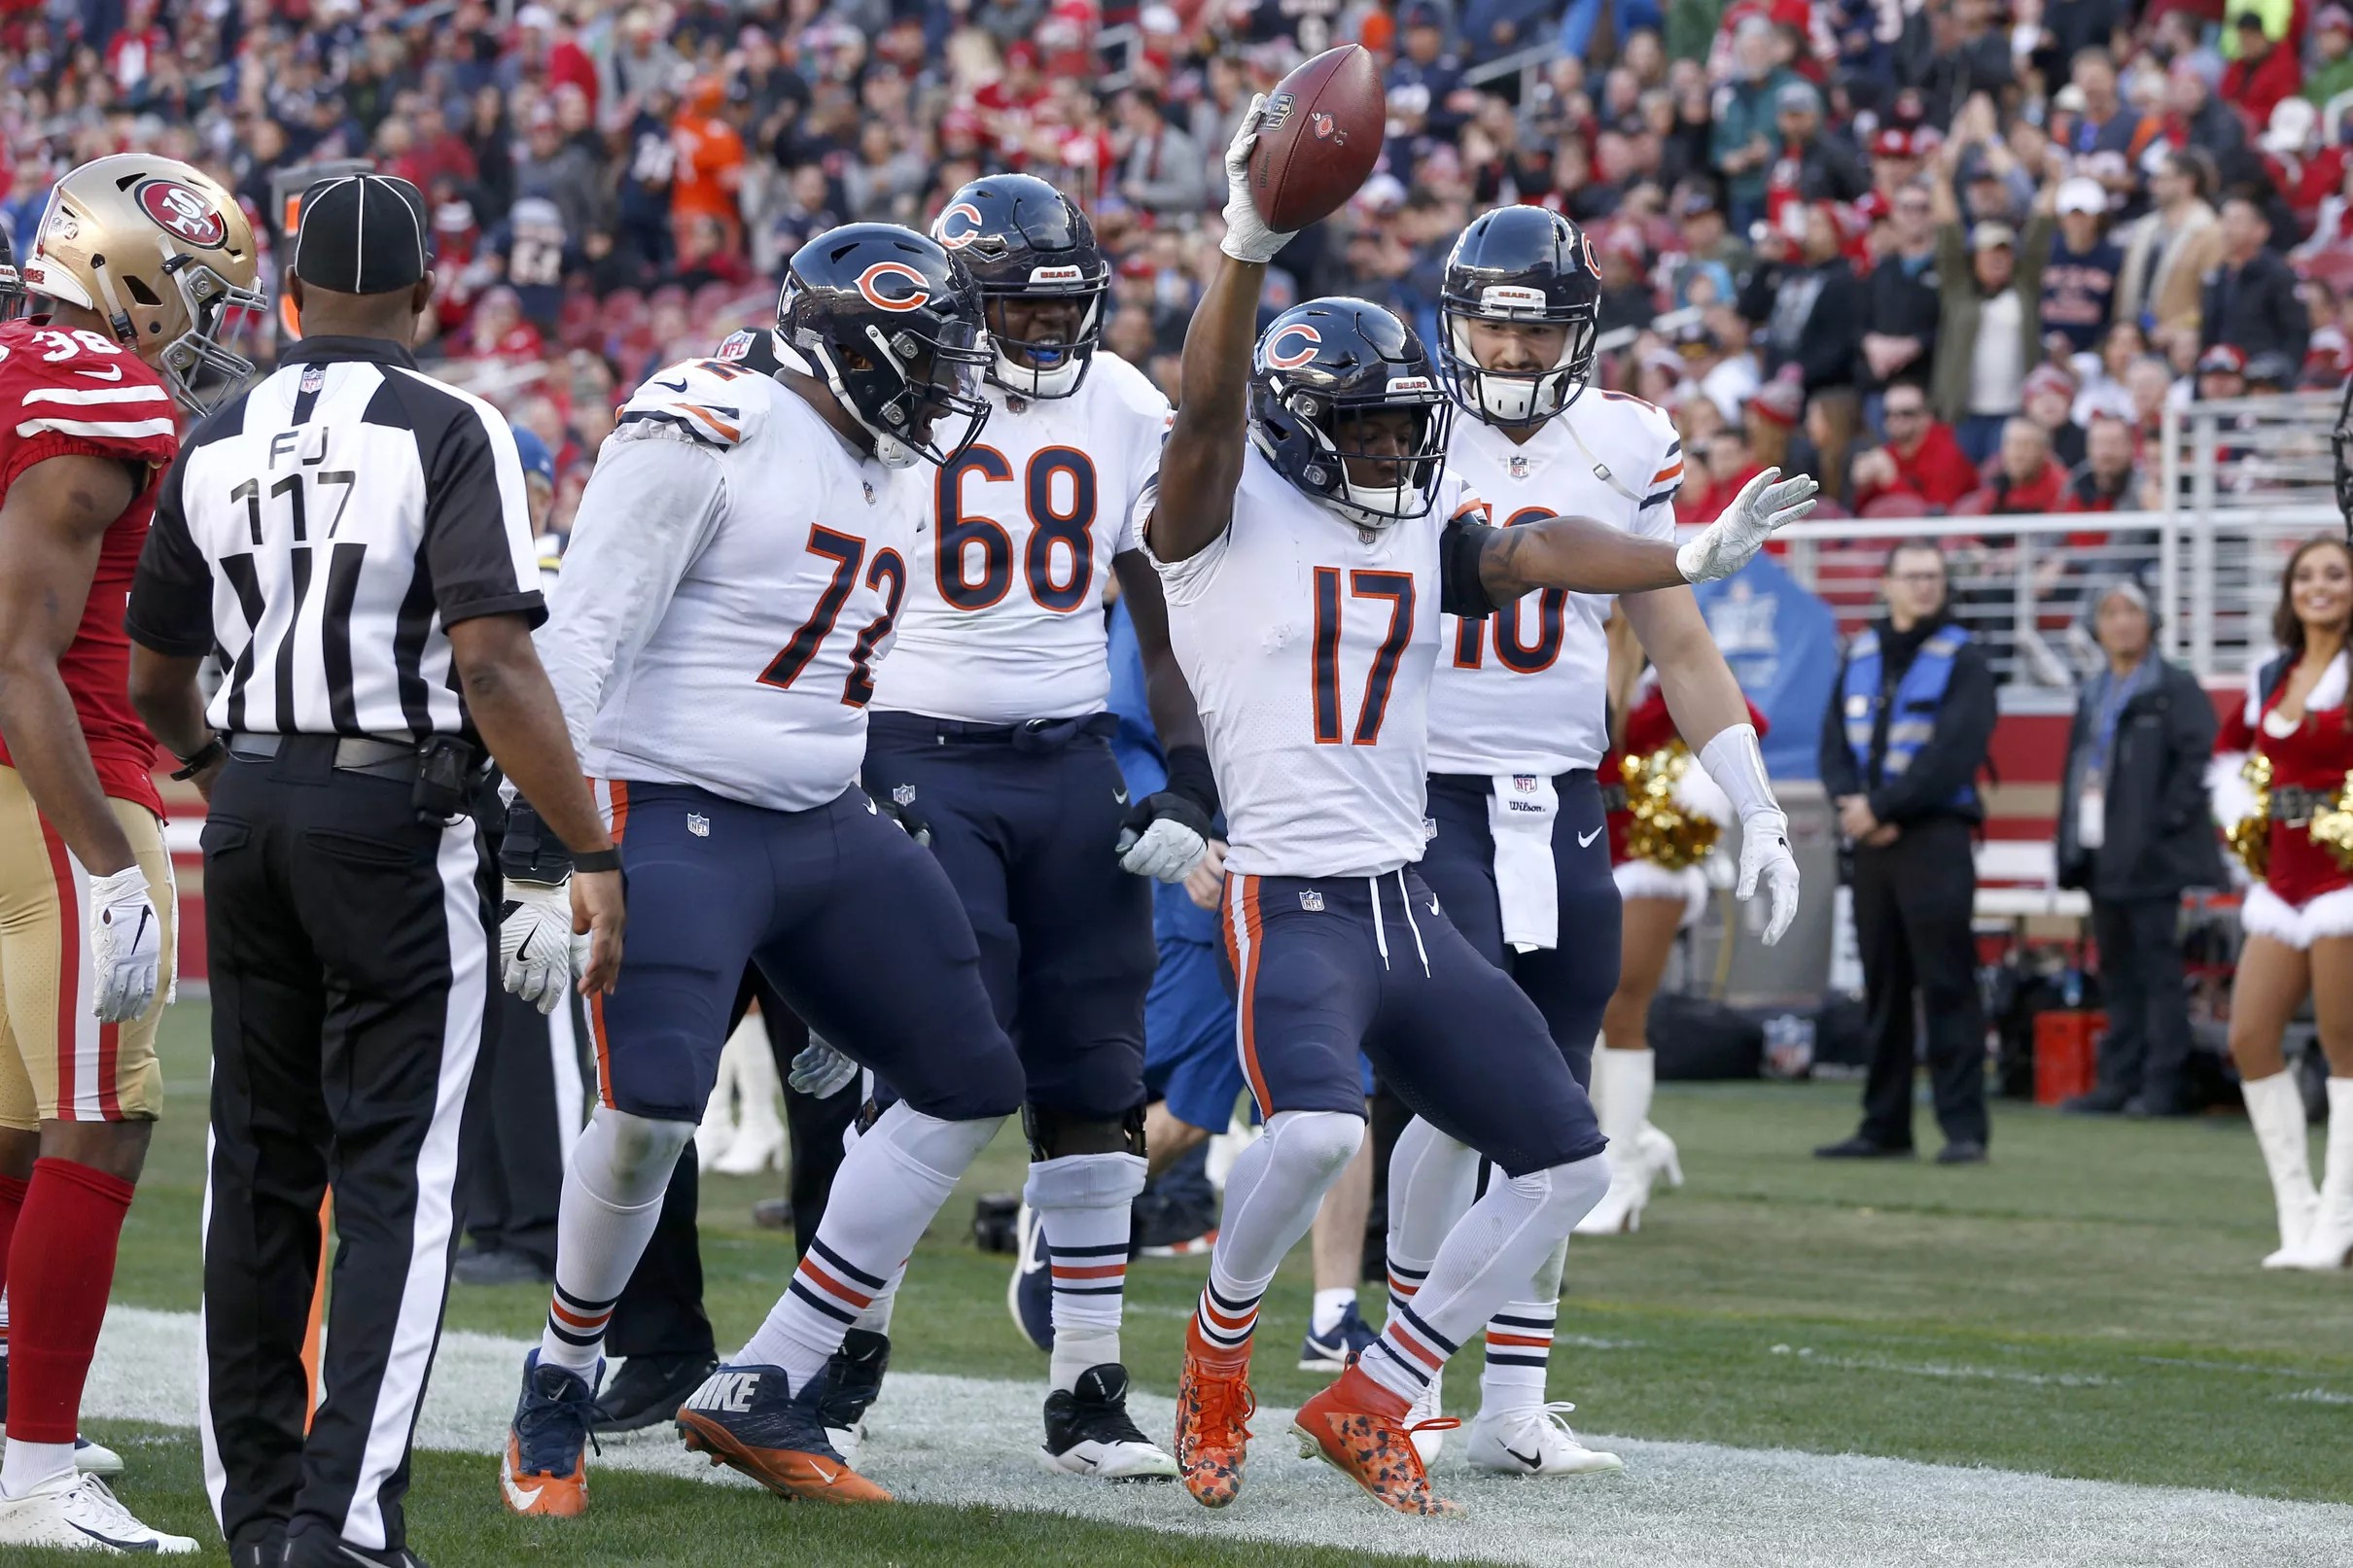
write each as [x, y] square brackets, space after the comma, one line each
[1202, 462]
[1166, 833]
[51, 529]
[1584, 556]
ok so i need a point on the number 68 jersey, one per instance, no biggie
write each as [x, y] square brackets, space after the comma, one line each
[1310, 645]
[733, 578]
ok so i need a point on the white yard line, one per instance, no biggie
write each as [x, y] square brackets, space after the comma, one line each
[1678, 1505]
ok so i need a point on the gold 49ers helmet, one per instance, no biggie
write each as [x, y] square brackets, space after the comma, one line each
[166, 257]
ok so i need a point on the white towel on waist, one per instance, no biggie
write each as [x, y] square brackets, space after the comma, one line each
[1520, 815]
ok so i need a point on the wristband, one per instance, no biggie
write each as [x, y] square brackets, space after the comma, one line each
[1735, 762]
[204, 756]
[1191, 776]
[597, 861]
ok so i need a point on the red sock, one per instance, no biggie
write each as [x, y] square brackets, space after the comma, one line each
[67, 1228]
[11, 1198]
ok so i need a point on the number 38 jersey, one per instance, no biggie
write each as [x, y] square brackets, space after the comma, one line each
[1003, 617]
[732, 580]
[1525, 690]
[1309, 644]
[80, 392]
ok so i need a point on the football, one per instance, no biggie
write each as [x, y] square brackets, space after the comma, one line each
[1321, 138]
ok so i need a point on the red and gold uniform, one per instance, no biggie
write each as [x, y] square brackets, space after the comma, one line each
[78, 394]
[1649, 728]
[2306, 893]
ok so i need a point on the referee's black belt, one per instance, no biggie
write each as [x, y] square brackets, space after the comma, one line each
[397, 760]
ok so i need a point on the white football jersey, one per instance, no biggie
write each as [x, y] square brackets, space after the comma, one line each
[1309, 644]
[728, 590]
[1525, 690]
[1003, 621]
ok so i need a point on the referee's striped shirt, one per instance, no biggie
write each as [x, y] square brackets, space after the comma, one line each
[319, 536]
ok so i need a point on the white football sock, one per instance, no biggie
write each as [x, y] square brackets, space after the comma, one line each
[1487, 1259]
[1084, 1201]
[889, 1185]
[28, 1464]
[1271, 1199]
[1431, 1181]
[1331, 1306]
[614, 1184]
[1520, 1341]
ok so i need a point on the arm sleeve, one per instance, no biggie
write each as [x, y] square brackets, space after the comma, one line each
[1955, 751]
[170, 608]
[1839, 775]
[645, 515]
[478, 523]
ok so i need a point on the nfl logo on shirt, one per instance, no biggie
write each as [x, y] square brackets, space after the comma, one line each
[1524, 782]
[905, 794]
[1519, 465]
[698, 824]
[1311, 901]
[314, 376]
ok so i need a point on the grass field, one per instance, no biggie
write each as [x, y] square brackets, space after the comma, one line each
[2088, 1306]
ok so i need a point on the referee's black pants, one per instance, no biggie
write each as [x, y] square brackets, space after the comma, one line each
[352, 958]
[1912, 918]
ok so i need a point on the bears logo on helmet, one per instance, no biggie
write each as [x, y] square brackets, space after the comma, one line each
[959, 224]
[1025, 241]
[1282, 358]
[1317, 410]
[1519, 266]
[869, 284]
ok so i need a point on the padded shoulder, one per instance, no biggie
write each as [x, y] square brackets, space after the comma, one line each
[710, 402]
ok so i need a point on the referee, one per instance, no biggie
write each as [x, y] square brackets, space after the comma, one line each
[349, 540]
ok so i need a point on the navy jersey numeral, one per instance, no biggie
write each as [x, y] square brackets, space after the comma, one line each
[847, 553]
[1398, 587]
[973, 565]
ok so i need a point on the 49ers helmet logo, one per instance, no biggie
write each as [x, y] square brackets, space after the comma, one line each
[900, 275]
[1281, 359]
[183, 213]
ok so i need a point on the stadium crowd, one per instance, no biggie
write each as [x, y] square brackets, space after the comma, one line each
[1955, 257]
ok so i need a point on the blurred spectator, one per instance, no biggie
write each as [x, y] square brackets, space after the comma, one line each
[561, 172]
[710, 163]
[1813, 166]
[2132, 832]
[2026, 481]
[2262, 74]
[1805, 296]
[2078, 282]
[1920, 457]
[2171, 249]
[2109, 478]
[1494, 28]
[1745, 109]
[2100, 377]
[2250, 300]
[2222, 373]
[1989, 336]
[2048, 399]
[1165, 172]
[1900, 301]
[2331, 54]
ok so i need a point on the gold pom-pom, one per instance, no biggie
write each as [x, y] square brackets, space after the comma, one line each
[2333, 828]
[2250, 838]
[1663, 832]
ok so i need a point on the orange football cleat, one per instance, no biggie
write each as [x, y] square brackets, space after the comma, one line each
[1214, 1402]
[543, 1493]
[544, 1470]
[1359, 1427]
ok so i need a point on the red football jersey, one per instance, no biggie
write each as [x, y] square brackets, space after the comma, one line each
[65, 393]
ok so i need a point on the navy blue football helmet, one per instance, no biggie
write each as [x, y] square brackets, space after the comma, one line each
[1022, 239]
[892, 322]
[1522, 265]
[1320, 371]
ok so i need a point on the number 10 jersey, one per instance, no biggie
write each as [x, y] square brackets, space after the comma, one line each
[1310, 646]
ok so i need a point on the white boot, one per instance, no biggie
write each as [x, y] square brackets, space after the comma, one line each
[2276, 1109]
[1621, 1081]
[760, 1131]
[1660, 1153]
[2331, 1236]
[1535, 1441]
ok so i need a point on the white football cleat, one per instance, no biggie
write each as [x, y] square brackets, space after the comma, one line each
[78, 1513]
[1534, 1442]
[1088, 1432]
[1429, 1439]
[1660, 1154]
[95, 1458]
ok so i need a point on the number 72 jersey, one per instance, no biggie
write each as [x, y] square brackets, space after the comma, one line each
[1310, 646]
[734, 573]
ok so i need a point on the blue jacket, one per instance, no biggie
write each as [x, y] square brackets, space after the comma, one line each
[1909, 727]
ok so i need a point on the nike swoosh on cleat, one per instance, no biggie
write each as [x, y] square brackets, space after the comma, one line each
[520, 1498]
[828, 1478]
[126, 1544]
[1583, 839]
[1534, 1462]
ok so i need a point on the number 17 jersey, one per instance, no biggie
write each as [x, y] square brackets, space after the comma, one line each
[1004, 619]
[1310, 645]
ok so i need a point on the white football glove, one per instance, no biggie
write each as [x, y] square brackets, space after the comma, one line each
[125, 946]
[1728, 544]
[819, 1071]
[1164, 837]
[1765, 855]
[1247, 238]
[536, 943]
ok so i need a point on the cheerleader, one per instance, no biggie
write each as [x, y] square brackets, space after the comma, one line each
[2293, 830]
[1656, 902]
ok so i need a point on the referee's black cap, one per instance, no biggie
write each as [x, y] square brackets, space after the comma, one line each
[360, 233]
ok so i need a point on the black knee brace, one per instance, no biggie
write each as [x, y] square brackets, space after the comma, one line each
[1053, 1134]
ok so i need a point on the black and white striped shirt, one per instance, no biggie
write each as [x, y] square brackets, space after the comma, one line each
[320, 534]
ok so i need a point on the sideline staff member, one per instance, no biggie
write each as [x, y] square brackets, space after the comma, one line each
[1910, 720]
[349, 540]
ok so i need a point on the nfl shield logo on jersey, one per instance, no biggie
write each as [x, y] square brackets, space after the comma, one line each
[1524, 782]
[1519, 465]
[905, 794]
[314, 376]
[1311, 901]
[698, 824]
